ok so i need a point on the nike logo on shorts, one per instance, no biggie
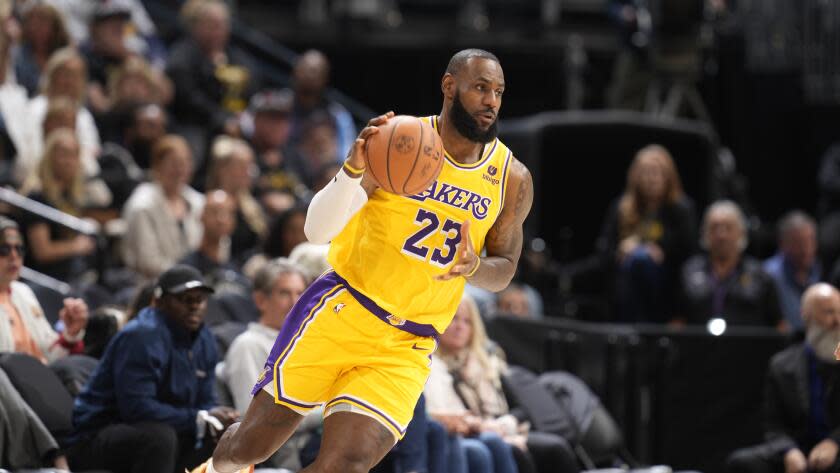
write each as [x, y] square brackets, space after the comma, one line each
[415, 347]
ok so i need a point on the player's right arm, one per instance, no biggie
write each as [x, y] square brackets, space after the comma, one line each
[332, 206]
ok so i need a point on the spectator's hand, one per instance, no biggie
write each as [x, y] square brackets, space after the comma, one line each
[83, 245]
[823, 455]
[467, 258]
[97, 98]
[454, 424]
[795, 461]
[227, 415]
[626, 246]
[231, 127]
[74, 315]
[655, 252]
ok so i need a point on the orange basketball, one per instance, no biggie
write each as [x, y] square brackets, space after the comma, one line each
[405, 156]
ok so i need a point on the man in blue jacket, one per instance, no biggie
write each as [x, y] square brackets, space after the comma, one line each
[150, 404]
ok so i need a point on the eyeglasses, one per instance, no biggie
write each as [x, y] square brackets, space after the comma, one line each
[6, 249]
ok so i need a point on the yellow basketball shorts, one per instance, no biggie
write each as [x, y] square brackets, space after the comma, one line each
[337, 346]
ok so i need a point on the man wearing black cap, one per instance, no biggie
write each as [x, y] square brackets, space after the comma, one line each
[149, 406]
[282, 170]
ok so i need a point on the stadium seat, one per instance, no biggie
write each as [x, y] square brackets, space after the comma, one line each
[42, 390]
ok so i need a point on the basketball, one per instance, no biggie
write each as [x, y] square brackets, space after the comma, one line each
[406, 156]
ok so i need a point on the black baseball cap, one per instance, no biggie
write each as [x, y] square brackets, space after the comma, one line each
[180, 278]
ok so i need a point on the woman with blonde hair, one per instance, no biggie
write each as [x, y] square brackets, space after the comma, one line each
[648, 234]
[58, 182]
[65, 76]
[163, 217]
[464, 393]
[43, 32]
[233, 170]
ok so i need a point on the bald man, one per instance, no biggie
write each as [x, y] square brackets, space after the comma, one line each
[802, 408]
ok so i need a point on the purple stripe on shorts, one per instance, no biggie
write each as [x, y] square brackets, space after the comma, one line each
[369, 407]
[298, 316]
[421, 330]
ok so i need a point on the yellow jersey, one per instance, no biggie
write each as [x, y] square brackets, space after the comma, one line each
[392, 249]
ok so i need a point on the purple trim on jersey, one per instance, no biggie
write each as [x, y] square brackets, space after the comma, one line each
[421, 330]
[369, 407]
[298, 316]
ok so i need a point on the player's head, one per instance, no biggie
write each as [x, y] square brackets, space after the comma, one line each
[821, 313]
[472, 93]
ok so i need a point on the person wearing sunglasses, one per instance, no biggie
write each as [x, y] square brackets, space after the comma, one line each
[23, 326]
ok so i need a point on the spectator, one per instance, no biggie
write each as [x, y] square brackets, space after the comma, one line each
[65, 76]
[163, 217]
[58, 182]
[23, 326]
[150, 404]
[648, 234]
[277, 287]
[310, 77]
[284, 235]
[213, 80]
[123, 161]
[43, 33]
[801, 406]
[725, 283]
[318, 146]
[233, 171]
[311, 258]
[516, 300]
[281, 167]
[105, 50]
[133, 83]
[218, 219]
[464, 392]
[795, 266]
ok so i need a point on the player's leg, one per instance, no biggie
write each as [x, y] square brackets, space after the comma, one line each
[265, 428]
[352, 443]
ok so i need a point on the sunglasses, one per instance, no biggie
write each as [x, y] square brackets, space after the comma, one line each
[6, 249]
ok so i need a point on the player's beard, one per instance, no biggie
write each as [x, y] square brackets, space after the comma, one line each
[468, 126]
[823, 341]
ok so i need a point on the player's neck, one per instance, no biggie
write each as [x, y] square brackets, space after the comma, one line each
[460, 148]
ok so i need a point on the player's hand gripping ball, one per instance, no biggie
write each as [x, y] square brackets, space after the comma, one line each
[405, 156]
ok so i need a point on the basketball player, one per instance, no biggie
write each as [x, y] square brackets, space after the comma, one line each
[360, 338]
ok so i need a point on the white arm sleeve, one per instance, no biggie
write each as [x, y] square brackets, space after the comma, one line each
[332, 207]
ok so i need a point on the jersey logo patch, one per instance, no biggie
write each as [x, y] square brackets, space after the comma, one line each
[338, 307]
[395, 321]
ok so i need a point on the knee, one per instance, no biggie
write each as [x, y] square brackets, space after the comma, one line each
[158, 440]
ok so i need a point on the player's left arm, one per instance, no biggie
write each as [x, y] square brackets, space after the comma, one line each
[504, 240]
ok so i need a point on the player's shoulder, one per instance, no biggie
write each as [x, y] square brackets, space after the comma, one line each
[519, 173]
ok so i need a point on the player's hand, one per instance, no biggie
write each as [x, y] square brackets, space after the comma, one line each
[837, 352]
[356, 158]
[823, 455]
[795, 461]
[467, 259]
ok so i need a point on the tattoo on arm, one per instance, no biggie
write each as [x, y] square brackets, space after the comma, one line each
[504, 240]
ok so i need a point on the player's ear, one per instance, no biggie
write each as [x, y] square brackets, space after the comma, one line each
[447, 85]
